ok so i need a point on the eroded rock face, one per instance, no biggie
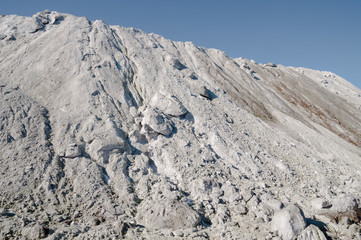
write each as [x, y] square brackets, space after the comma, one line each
[109, 132]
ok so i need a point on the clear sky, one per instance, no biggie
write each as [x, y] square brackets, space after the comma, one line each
[318, 34]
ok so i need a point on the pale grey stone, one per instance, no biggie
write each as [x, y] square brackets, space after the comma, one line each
[289, 222]
[320, 203]
[157, 122]
[73, 152]
[344, 203]
[204, 92]
[274, 204]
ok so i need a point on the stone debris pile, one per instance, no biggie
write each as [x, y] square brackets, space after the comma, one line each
[108, 132]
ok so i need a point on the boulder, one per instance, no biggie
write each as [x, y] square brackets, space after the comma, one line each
[345, 210]
[157, 122]
[289, 222]
[344, 203]
[167, 214]
[36, 25]
[169, 105]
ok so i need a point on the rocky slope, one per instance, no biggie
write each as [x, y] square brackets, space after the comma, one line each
[110, 132]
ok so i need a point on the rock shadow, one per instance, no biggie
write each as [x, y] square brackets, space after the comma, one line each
[152, 165]
[188, 117]
[212, 95]
[58, 20]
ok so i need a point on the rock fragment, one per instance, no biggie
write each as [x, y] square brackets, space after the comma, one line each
[10, 38]
[204, 92]
[157, 122]
[241, 209]
[193, 76]
[73, 151]
[177, 64]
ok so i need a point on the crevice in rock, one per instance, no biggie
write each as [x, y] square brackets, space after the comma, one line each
[132, 74]
[48, 138]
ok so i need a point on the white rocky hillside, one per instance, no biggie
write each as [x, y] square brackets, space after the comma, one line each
[110, 132]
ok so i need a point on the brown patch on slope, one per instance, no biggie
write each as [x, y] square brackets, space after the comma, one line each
[320, 116]
[240, 95]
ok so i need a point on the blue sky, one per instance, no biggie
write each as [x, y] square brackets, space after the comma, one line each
[318, 34]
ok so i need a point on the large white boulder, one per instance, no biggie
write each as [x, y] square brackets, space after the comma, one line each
[289, 222]
[170, 105]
